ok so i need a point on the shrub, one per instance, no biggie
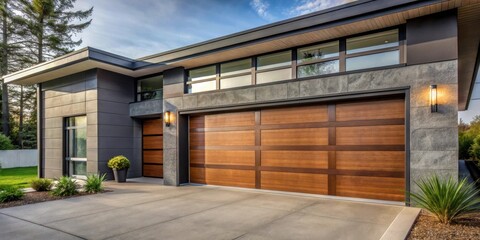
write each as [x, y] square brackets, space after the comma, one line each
[41, 184]
[10, 193]
[94, 183]
[447, 199]
[5, 143]
[475, 148]
[465, 141]
[66, 186]
[119, 162]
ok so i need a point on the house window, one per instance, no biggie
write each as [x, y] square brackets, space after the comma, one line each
[236, 73]
[274, 67]
[318, 60]
[378, 49]
[202, 79]
[373, 50]
[76, 145]
[150, 88]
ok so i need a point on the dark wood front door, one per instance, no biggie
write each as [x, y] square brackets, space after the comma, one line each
[351, 149]
[153, 148]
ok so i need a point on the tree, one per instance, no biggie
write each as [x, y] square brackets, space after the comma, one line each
[48, 28]
[51, 27]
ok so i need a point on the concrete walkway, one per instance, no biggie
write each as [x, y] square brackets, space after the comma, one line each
[152, 211]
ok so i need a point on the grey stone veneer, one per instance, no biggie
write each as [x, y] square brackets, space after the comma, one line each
[433, 136]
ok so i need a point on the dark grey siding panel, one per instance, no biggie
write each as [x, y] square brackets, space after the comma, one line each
[432, 38]
[175, 75]
[115, 127]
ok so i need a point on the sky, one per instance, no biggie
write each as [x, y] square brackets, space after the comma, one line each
[138, 28]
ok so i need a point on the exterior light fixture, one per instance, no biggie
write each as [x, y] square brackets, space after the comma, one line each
[167, 118]
[433, 98]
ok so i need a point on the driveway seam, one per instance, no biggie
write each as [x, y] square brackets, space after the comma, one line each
[52, 228]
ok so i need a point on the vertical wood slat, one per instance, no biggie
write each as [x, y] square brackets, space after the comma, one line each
[258, 154]
[331, 154]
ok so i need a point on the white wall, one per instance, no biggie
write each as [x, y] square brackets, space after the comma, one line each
[18, 158]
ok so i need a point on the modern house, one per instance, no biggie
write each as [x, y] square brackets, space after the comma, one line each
[358, 100]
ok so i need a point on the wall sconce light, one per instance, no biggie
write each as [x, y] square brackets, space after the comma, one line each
[433, 98]
[167, 118]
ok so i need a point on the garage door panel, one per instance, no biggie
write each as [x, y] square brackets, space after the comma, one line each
[197, 156]
[230, 177]
[295, 159]
[197, 175]
[368, 160]
[152, 142]
[153, 170]
[197, 122]
[371, 135]
[383, 188]
[244, 158]
[351, 149]
[295, 182]
[307, 114]
[386, 109]
[289, 137]
[153, 127]
[230, 138]
[153, 156]
[230, 120]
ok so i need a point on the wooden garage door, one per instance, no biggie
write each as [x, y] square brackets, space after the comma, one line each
[152, 148]
[351, 149]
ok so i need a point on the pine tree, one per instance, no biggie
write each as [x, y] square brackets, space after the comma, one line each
[48, 28]
[51, 27]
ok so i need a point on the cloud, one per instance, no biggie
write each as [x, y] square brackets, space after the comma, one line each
[308, 6]
[261, 8]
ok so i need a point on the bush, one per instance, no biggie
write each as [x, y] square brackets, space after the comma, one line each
[447, 199]
[5, 143]
[119, 162]
[66, 186]
[94, 183]
[41, 184]
[475, 148]
[10, 193]
[465, 141]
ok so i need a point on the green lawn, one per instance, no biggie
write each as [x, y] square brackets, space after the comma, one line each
[20, 177]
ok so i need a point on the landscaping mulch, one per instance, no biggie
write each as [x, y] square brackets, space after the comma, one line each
[37, 197]
[428, 227]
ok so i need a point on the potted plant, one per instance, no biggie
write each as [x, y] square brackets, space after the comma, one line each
[119, 164]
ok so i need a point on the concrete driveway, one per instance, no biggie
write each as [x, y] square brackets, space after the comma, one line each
[152, 211]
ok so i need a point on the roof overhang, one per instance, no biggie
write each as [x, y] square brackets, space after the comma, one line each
[79, 61]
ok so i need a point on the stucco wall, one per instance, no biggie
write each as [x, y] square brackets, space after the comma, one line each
[433, 136]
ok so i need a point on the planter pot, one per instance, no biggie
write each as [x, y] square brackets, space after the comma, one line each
[120, 174]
